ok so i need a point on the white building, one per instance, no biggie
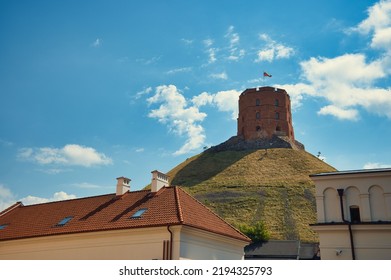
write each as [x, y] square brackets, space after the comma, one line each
[354, 214]
[162, 223]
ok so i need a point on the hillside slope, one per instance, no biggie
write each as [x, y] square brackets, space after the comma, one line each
[250, 185]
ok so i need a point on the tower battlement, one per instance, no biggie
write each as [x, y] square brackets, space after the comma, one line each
[264, 112]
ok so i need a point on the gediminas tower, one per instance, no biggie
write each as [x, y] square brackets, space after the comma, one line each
[264, 112]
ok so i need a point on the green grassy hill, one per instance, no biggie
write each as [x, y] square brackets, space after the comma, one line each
[247, 186]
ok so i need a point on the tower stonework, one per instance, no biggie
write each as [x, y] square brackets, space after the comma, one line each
[264, 112]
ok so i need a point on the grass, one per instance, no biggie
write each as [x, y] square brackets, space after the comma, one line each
[245, 187]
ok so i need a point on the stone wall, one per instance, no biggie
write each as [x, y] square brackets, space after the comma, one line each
[238, 143]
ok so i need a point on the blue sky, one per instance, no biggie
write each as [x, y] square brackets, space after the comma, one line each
[94, 90]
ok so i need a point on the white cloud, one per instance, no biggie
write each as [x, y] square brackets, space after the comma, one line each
[376, 165]
[28, 200]
[208, 42]
[5, 193]
[97, 43]
[220, 76]
[347, 83]
[179, 70]
[54, 170]
[148, 61]
[210, 51]
[143, 92]
[382, 39]
[377, 25]
[181, 118]
[379, 16]
[273, 50]
[234, 39]
[348, 68]
[265, 55]
[202, 99]
[187, 41]
[5, 143]
[343, 114]
[195, 139]
[70, 154]
[7, 198]
[225, 101]
[184, 119]
[297, 93]
[232, 36]
[140, 150]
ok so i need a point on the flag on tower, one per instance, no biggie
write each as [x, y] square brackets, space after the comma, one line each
[265, 74]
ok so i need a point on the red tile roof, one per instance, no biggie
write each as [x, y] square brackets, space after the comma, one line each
[168, 206]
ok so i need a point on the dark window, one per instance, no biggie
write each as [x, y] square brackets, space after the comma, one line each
[64, 221]
[276, 102]
[354, 214]
[3, 226]
[278, 128]
[257, 115]
[257, 102]
[277, 116]
[258, 128]
[139, 213]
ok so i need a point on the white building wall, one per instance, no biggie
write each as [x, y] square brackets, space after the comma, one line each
[196, 244]
[371, 192]
[131, 244]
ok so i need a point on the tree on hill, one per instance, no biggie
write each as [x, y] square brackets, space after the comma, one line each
[256, 232]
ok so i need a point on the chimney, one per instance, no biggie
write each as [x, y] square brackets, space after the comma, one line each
[123, 185]
[159, 180]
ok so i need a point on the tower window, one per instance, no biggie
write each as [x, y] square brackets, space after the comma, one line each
[276, 102]
[257, 102]
[277, 115]
[258, 128]
[257, 115]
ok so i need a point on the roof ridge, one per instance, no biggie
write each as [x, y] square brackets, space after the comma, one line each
[80, 198]
[69, 199]
[177, 200]
[215, 214]
[10, 208]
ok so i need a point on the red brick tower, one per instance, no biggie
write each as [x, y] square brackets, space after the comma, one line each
[264, 112]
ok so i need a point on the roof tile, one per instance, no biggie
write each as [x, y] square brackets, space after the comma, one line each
[169, 206]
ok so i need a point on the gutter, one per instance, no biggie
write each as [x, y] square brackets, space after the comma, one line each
[171, 239]
[340, 193]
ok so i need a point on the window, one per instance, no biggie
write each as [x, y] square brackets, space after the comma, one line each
[354, 214]
[257, 102]
[3, 226]
[276, 102]
[64, 221]
[258, 128]
[278, 128]
[277, 116]
[257, 115]
[139, 213]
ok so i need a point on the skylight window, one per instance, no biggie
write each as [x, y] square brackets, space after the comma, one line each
[3, 226]
[139, 213]
[64, 221]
